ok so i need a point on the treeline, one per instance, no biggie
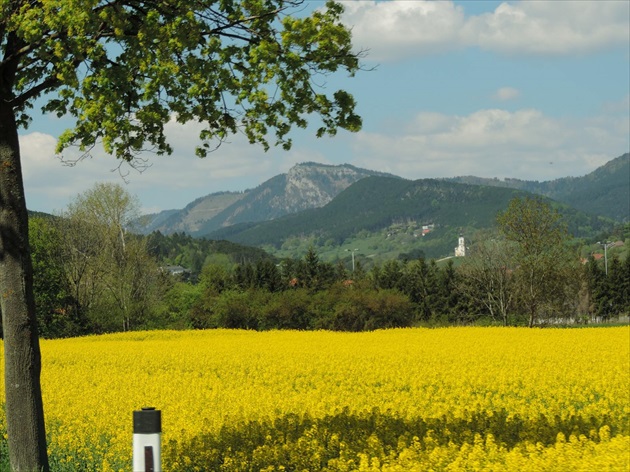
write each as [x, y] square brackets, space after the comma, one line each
[309, 294]
[91, 275]
[194, 253]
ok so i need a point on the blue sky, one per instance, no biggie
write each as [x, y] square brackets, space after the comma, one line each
[531, 90]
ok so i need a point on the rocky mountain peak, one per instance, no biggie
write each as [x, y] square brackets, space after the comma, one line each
[311, 185]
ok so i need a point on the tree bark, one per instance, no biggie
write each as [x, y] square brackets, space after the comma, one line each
[22, 359]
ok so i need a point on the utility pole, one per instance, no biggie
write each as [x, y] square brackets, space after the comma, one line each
[606, 245]
[352, 251]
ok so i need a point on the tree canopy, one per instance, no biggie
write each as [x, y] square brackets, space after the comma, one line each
[122, 69]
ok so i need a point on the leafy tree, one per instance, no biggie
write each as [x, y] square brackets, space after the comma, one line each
[49, 282]
[389, 275]
[79, 255]
[233, 309]
[111, 271]
[606, 288]
[268, 276]
[341, 273]
[245, 276]
[173, 310]
[487, 276]
[593, 276]
[122, 70]
[359, 272]
[158, 245]
[262, 275]
[289, 272]
[110, 207]
[364, 310]
[624, 284]
[289, 309]
[541, 262]
[216, 279]
[132, 288]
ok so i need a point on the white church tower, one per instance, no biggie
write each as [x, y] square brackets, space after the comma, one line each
[460, 250]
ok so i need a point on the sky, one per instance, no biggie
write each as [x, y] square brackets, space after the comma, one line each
[534, 90]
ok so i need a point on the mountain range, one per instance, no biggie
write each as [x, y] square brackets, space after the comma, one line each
[305, 186]
[336, 202]
[604, 192]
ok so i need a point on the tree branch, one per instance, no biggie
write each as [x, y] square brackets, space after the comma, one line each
[33, 92]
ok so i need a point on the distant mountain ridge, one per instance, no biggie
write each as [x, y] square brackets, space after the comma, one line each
[191, 218]
[376, 203]
[605, 191]
[308, 186]
[304, 186]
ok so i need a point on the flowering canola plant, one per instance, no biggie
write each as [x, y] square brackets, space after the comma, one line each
[392, 400]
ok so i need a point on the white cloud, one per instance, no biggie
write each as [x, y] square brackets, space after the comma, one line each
[168, 181]
[50, 183]
[37, 152]
[506, 93]
[551, 27]
[523, 144]
[397, 29]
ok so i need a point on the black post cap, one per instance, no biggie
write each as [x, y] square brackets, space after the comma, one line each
[147, 421]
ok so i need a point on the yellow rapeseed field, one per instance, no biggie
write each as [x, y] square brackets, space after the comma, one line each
[394, 400]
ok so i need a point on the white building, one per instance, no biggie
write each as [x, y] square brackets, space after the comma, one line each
[460, 250]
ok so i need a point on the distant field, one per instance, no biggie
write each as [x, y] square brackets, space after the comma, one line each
[396, 400]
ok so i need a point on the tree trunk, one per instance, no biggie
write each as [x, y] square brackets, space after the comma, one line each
[22, 359]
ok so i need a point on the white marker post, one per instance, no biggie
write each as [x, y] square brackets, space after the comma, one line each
[147, 432]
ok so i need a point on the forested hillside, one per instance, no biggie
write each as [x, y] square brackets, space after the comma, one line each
[604, 192]
[375, 203]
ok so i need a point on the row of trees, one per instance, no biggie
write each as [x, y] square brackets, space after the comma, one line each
[264, 296]
[93, 276]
